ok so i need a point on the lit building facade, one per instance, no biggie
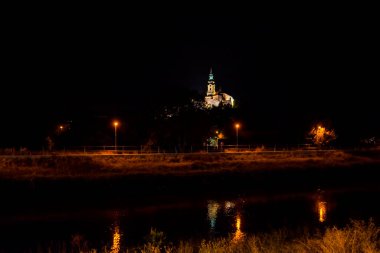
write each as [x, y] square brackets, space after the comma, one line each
[215, 98]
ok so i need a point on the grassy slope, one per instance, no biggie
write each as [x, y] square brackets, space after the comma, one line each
[81, 180]
[106, 166]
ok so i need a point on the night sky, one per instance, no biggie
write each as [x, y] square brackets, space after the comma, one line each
[286, 68]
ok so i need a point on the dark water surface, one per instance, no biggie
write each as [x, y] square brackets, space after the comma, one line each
[127, 224]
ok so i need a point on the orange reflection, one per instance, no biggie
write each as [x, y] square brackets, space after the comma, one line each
[116, 240]
[238, 235]
[322, 208]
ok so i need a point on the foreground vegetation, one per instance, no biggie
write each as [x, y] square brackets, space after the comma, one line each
[358, 236]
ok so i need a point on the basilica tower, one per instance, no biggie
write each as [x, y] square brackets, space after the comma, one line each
[211, 84]
[216, 98]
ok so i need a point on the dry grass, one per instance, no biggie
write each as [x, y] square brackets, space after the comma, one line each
[359, 236]
[98, 166]
[356, 237]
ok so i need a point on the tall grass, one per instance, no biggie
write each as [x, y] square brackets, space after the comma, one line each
[358, 236]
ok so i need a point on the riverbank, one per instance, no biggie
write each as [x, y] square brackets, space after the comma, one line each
[99, 166]
[29, 181]
[177, 194]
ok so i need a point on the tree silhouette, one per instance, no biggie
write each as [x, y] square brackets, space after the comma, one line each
[322, 135]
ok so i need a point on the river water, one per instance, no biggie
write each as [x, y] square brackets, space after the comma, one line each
[181, 218]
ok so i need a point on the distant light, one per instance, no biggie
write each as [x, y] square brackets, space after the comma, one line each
[237, 126]
[115, 123]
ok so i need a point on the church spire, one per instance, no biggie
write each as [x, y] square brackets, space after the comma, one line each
[216, 98]
[211, 84]
[210, 76]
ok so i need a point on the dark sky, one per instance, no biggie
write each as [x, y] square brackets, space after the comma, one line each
[285, 66]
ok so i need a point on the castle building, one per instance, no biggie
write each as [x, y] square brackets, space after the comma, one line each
[215, 98]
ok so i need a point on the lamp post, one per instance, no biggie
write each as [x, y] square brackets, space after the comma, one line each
[115, 123]
[62, 139]
[237, 126]
[217, 139]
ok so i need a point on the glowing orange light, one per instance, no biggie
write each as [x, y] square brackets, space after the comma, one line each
[322, 208]
[116, 240]
[237, 126]
[115, 123]
[238, 222]
[238, 235]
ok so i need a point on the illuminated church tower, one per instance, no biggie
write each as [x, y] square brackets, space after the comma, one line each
[211, 85]
[214, 98]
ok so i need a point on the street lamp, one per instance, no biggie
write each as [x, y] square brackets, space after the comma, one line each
[115, 123]
[219, 135]
[237, 126]
[60, 132]
[217, 139]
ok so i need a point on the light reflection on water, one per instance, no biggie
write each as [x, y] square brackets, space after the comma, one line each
[238, 235]
[230, 210]
[212, 213]
[200, 220]
[228, 206]
[321, 206]
[116, 240]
